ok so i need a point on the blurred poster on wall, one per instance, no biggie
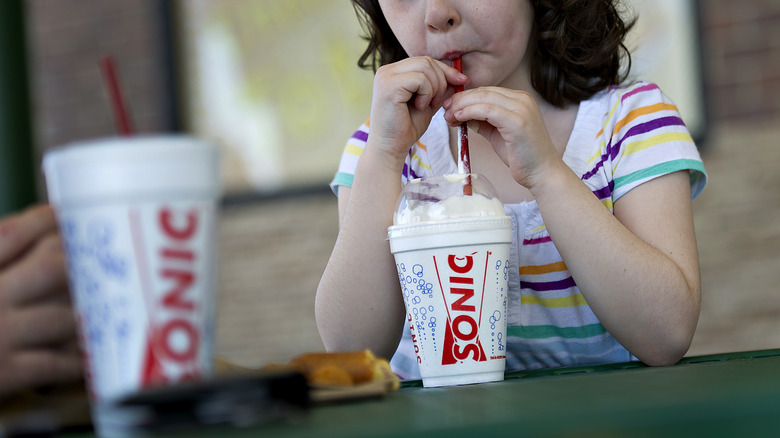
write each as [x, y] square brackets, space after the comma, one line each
[276, 84]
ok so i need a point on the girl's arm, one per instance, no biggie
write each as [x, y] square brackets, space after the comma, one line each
[359, 303]
[637, 269]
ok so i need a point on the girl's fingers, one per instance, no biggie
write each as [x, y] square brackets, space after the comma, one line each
[426, 80]
[510, 112]
[406, 96]
[437, 81]
[510, 120]
[503, 119]
[451, 78]
[428, 89]
[514, 101]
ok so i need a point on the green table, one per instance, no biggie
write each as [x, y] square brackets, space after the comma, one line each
[731, 395]
[721, 395]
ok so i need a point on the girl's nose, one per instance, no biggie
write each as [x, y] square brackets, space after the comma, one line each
[440, 16]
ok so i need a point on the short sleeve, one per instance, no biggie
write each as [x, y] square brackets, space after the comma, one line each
[644, 137]
[349, 159]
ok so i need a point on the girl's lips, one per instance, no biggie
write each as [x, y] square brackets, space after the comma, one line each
[452, 55]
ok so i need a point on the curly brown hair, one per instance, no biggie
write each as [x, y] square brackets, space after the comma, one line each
[578, 46]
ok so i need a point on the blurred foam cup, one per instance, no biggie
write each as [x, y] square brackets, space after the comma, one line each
[452, 252]
[138, 218]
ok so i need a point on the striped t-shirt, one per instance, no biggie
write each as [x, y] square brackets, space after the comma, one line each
[622, 137]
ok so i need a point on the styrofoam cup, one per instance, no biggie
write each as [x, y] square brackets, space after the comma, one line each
[453, 274]
[138, 220]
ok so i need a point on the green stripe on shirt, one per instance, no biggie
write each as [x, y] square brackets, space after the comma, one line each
[551, 331]
[659, 169]
[343, 179]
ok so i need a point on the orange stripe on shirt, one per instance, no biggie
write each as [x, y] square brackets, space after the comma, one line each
[630, 117]
[543, 269]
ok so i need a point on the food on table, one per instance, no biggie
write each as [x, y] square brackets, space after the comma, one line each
[342, 369]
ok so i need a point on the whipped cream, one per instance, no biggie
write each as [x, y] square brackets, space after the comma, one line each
[453, 207]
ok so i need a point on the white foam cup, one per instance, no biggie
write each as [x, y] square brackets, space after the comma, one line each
[138, 219]
[452, 265]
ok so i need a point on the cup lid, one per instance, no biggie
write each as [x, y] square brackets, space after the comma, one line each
[114, 167]
[447, 197]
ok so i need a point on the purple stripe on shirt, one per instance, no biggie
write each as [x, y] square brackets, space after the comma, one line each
[360, 135]
[409, 173]
[548, 285]
[599, 164]
[654, 124]
[603, 193]
[407, 164]
[537, 240]
[642, 128]
[639, 90]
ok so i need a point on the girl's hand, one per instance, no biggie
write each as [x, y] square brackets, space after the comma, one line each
[406, 96]
[511, 121]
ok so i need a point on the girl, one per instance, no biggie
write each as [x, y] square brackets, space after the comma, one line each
[597, 177]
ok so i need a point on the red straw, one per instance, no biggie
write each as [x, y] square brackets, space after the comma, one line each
[115, 95]
[464, 159]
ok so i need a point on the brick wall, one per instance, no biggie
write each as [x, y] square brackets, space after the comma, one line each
[741, 54]
[67, 39]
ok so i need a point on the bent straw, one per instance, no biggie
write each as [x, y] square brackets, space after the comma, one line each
[464, 158]
[115, 96]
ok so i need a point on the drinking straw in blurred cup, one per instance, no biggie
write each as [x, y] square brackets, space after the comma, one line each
[111, 78]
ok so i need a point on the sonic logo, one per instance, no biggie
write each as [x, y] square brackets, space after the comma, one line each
[174, 338]
[461, 332]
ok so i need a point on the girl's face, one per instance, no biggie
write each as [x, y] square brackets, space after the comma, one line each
[491, 36]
